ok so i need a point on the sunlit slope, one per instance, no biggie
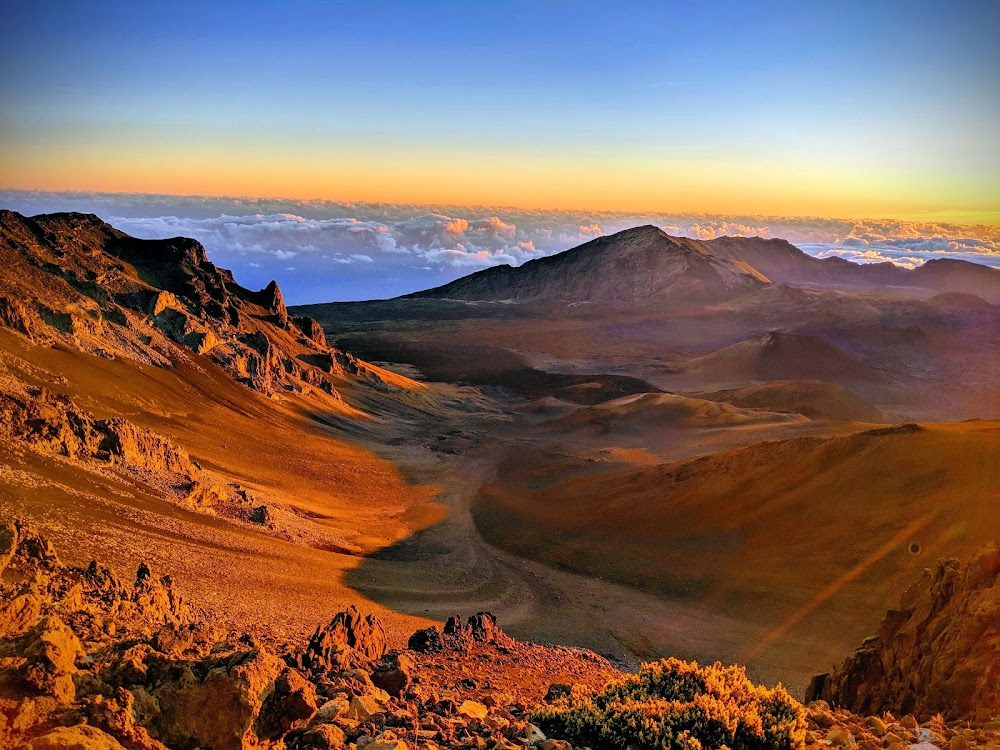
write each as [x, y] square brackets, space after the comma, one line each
[649, 411]
[811, 398]
[806, 539]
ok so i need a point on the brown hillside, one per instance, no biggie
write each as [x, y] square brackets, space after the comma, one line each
[803, 540]
[811, 398]
[780, 356]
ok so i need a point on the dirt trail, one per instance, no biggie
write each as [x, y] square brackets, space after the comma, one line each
[449, 568]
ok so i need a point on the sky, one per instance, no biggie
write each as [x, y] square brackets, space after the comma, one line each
[782, 108]
[345, 131]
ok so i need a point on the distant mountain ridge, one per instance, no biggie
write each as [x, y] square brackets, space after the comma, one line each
[645, 264]
[784, 263]
[639, 264]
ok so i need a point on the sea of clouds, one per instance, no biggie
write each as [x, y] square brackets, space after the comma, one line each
[323, 250]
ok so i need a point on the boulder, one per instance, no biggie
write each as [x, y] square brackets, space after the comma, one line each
[51, 651]
[483, 626]
[473, 710]
[348, 640]
[20, 613]
[214, 704]
[290, 706]
[80, 737]
[394, 674]
[333, 709]
[363, 707]
[324, 737]
[425, 641]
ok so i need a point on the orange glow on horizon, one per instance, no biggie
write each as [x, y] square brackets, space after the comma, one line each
[619, 182]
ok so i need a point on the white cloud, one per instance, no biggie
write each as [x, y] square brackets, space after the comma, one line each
[384, 249]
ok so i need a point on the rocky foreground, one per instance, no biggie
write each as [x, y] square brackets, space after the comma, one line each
[90, 661]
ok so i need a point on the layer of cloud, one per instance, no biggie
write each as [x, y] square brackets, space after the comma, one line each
[322, 250]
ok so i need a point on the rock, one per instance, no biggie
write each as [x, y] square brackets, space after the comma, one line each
[325, 737]
[213, 704]
[311, 329]
[34, 551]
[333, 709]
[55, 424]
[877, 726]
[349, 640]
[17, 317]
[533, 735]
[273, 301]
[935, 653]
[51, 652]
[206, 494]
[483, 626]
[394, 674]
[260, 515]
[162, 301]
[80, 737]
[425, 641]
[556, 745]
[363, 707]
[290, 706]
[8, 544]
[20, 614]
[840, 737]
[473, 710]
[117, 716]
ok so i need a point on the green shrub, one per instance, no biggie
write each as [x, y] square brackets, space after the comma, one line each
[681, 706]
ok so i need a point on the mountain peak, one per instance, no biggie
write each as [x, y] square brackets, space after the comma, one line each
[633, 266]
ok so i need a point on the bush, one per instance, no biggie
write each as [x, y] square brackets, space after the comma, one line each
[681, 706]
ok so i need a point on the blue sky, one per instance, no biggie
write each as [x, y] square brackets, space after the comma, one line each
[827, 108]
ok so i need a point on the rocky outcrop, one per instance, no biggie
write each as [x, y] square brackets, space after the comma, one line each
[349, 640]
[214, 702]
[938, 652]
[51, 651]
[55, 424]
[481, 628]
[311, 329]
[74, 279]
